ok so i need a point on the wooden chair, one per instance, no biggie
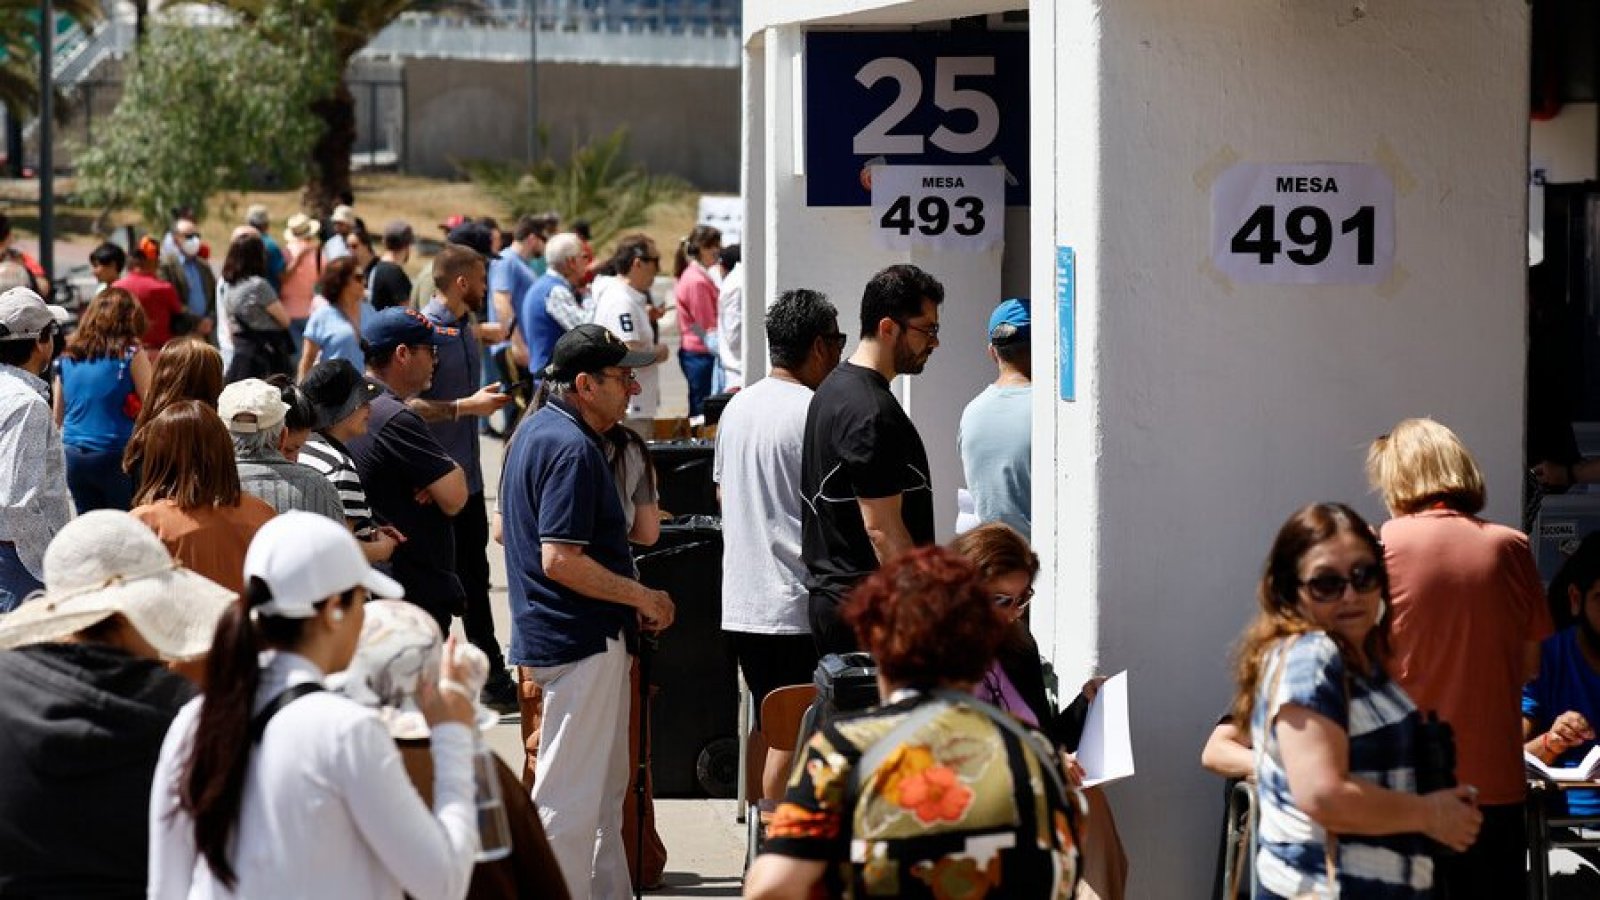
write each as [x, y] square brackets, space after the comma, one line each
[781, 715]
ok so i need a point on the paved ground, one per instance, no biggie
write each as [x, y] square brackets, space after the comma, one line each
[705, 844]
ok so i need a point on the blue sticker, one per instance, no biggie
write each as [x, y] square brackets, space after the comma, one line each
[1066, 321]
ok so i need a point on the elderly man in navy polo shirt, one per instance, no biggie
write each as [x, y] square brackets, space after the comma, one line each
[575, 604]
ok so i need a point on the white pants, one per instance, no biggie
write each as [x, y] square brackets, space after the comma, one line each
[581, 778]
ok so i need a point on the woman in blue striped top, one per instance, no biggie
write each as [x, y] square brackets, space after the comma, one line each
[1335, 737]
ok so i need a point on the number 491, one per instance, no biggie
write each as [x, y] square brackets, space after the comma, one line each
[1310, 229]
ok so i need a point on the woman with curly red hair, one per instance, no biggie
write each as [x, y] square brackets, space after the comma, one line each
[931, 791]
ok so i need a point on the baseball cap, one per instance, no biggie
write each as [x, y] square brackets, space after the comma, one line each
[398, 325]
[256, 217]
[24, 315]
[452, 221]
[398, 234]
[251, 405]
[590, 348]
[305, 558]
[471, 234]
[1011, 321]
[336, 389]
[344, 215]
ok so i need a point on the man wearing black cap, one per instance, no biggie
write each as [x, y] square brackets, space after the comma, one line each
[996, 434]
[411, 482]
[576, 607]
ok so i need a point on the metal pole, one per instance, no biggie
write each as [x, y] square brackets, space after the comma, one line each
[372, 124]
[47, 186]
[533, 80]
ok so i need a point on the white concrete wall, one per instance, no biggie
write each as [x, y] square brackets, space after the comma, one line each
[1209, 411]
[1566, 143]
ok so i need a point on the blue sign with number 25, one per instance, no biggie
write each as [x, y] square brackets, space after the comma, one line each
[906, 98]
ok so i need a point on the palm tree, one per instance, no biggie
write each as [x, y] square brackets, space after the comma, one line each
[19, 50]
[354, 23]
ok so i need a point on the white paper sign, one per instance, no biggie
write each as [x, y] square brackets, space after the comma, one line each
[724, 213]
[1303, 223]
[946, 207]
[1106, 749]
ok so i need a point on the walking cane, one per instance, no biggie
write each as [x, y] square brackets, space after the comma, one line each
[647, 647]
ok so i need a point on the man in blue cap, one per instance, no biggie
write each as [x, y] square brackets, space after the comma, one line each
[412, 483]
[996, 434]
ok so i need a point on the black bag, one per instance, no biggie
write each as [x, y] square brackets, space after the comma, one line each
[260, 354]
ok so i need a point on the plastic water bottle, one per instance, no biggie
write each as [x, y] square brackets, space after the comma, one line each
[494, 829]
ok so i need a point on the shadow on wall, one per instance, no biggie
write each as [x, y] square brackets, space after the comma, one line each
[681, 121]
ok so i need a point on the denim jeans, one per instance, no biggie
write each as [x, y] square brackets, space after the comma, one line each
[16, 582]
[697, 369]
[96, 480]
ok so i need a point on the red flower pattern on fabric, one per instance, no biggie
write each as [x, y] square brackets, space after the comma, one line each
[935, 795]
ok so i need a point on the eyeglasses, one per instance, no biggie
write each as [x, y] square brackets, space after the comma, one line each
[931, 331]
[1364, 578]
[626, 377]
[836, 337]
[1010, 603]
[432, 349]
[653, 260]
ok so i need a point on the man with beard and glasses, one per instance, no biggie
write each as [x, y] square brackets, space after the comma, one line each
[864, 472]
[452, 405]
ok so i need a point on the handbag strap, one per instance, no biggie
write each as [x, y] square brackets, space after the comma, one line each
[258, 725]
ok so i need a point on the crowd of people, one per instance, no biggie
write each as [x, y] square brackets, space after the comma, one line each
[202, 484]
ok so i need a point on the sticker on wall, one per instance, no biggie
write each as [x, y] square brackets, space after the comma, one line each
[1303, 223]
[1066, 320]
[945, 207]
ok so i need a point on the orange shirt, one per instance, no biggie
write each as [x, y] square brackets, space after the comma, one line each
[1466, 604]
[300, 278]
[211, 540]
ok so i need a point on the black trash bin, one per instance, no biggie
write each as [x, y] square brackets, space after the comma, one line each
[695, 713]
[683, 477]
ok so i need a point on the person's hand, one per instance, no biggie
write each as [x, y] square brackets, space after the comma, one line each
[655, 312]
[486, 401]
[393, 533]
[1570, 730]
[383, 544]
[1550, 475]
[491, 332]
[449, 701]
[1074, 771]
[1092, 687]
[656, 610]
[1453, 816]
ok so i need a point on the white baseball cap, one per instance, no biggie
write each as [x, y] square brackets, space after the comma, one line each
[24, 314]
[251, 405]
[305, 558]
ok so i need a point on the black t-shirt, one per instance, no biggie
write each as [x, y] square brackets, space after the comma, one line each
[387, 285]
[859, 443]
[396, 458]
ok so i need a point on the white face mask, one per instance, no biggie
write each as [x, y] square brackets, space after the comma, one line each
[191, 245]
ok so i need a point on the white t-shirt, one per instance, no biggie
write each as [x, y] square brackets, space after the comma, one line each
[625, 312]
[730, 327]
[757, 462]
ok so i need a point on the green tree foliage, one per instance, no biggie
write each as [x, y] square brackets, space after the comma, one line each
[207, 109]
[594, 182]
[19, 35]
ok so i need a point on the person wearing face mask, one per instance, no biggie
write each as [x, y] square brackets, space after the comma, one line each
[184, 269]
[34, 503]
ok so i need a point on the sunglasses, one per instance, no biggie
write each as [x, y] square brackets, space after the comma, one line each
[931, 331]
[1011, 603]
[1328, 587]
[836, 337]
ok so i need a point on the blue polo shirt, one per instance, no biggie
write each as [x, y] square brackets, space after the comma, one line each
[458, 374]
[539, 330]
[510, 273]
[558, 488]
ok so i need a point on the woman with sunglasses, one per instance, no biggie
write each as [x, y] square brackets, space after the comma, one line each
[334, 330]
[1334, 736]
[1469, 614]
[1015, 682]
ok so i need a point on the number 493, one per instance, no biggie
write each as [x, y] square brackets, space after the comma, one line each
[933, 216]
[1310, 229]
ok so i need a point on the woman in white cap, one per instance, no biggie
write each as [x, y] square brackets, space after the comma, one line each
[269, 785]
[86, 704]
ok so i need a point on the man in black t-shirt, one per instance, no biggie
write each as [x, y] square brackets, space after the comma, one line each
[411, 482]
[387, 283]
[864, 472]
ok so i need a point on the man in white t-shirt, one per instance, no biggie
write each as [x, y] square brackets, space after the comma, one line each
[622, 306]
[757, 469]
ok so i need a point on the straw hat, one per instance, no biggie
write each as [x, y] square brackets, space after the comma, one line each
[301, 227]
[399, 651]
[107, 563]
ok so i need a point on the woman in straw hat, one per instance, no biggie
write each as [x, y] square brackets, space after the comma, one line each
[270, 786]
[87, 703]
[399, 651]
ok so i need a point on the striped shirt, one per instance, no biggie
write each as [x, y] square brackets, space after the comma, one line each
[325, 455]
[285, 485]
[1381, 722]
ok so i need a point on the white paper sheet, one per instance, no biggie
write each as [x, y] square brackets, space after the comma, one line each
[1106, 749]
